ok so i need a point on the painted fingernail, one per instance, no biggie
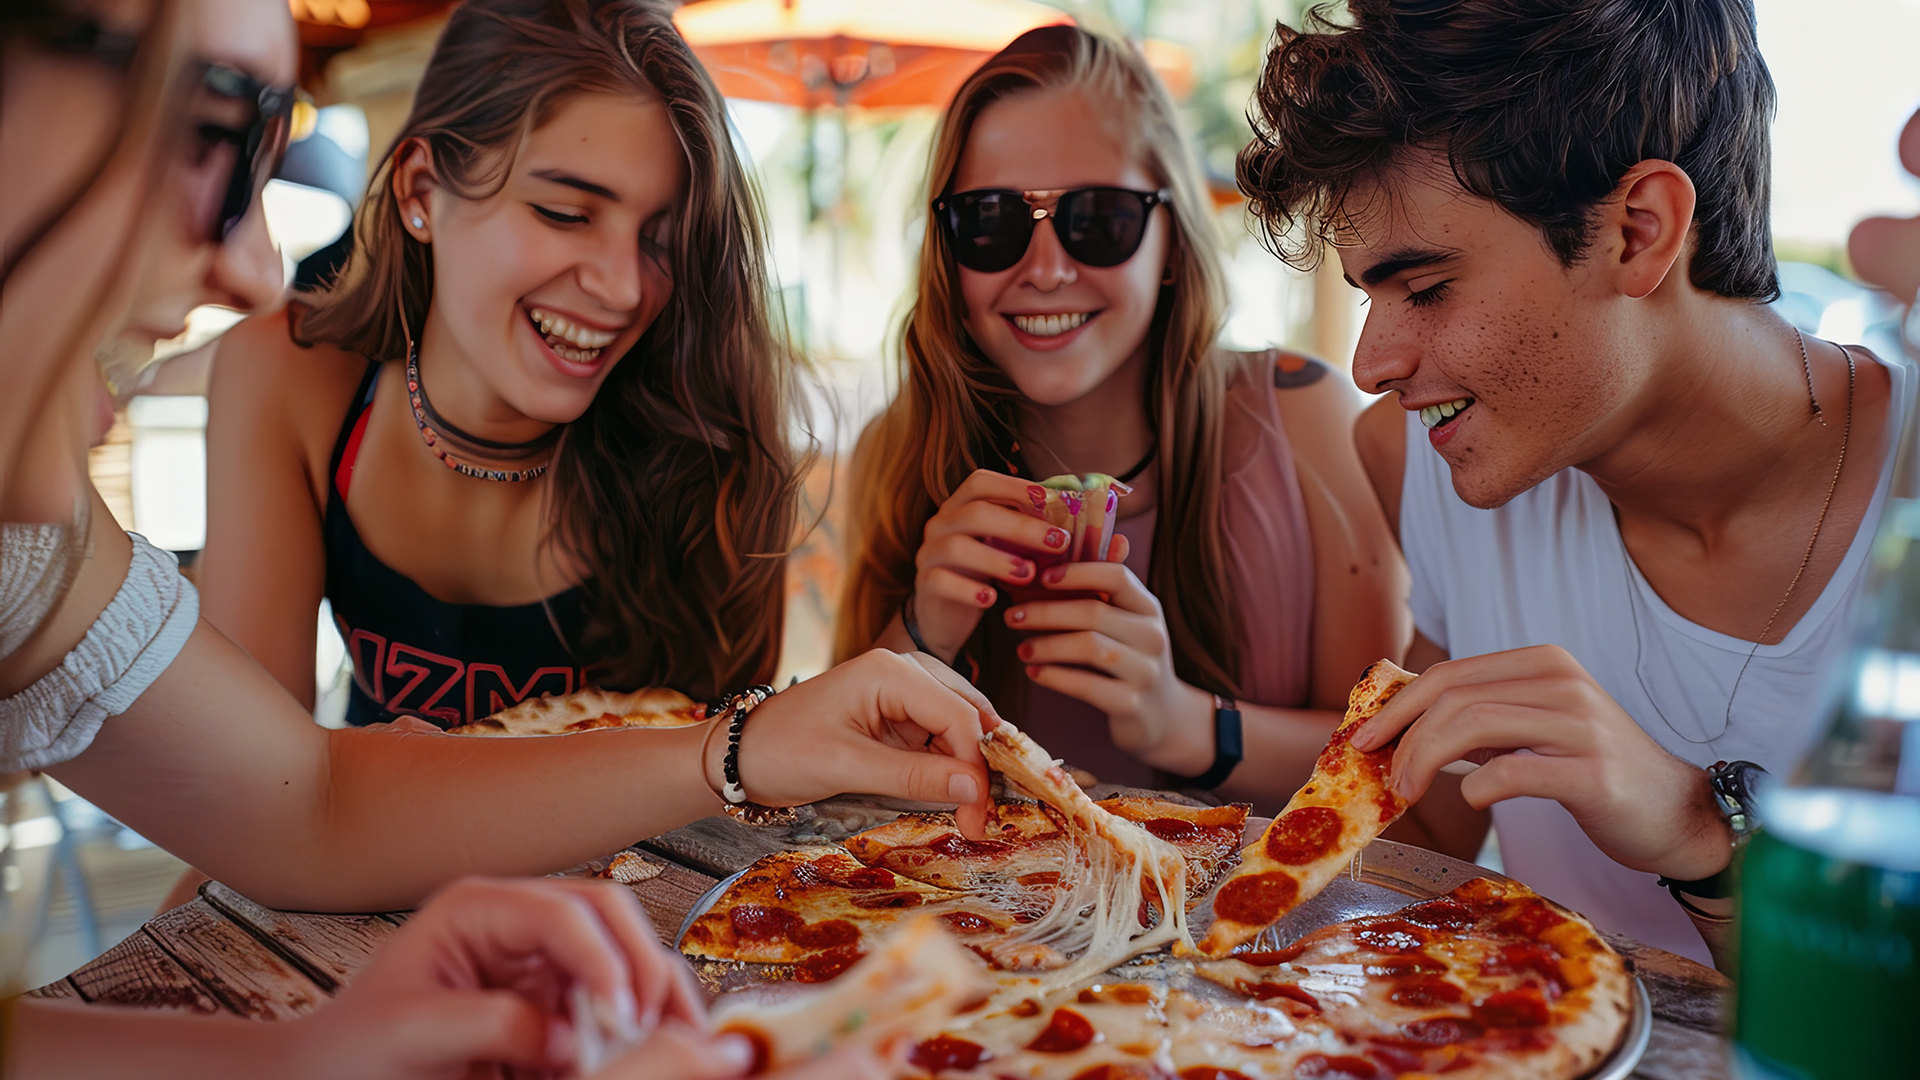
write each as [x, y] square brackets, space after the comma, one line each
[1033, 672]
[1056, 538]
[1037, 495]
[962, 788]
[1022, 568]
[1054, 574]
[1018, 615]
[1025, 650]
[984, 597]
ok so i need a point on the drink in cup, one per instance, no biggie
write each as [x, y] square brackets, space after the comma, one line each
[1083, 507]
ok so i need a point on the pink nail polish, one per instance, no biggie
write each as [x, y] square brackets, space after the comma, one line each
[1056, 538]
[1019, 615]
[1025, 650]
[1054, 574]
[984, 597]
[1032, 671]
[1022, 568]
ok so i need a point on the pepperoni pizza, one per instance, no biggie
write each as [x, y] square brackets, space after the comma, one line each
[1345, 804]
[590, 709]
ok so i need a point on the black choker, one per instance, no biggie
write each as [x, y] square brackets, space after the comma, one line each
[433, 428]
[1128, 478]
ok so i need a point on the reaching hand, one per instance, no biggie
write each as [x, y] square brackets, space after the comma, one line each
[956, 564]
[1116, 655]
[882, 723]
[1542, 727]
[482, 975]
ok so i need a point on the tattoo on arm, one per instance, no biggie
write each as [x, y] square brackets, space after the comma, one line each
[1291, 371]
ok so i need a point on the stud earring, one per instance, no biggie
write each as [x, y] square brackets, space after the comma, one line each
[419, 222]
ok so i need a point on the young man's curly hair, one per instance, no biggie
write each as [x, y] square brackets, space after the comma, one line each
[1539, 106]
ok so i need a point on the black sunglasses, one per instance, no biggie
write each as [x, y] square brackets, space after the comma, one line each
[258, 146]
[989, 229]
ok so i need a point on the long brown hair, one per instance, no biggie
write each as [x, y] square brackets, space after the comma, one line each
[954, 404]
[676, 488]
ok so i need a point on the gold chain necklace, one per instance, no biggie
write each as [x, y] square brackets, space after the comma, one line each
[1846, 437]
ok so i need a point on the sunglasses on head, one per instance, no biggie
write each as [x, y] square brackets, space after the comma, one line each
[989, 229]
[257, 147]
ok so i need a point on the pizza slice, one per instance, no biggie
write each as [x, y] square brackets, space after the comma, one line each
[1491, 980]
[1105, 912]
[1027, 843]
[590, 709]
[1345, 804]
[913, 982]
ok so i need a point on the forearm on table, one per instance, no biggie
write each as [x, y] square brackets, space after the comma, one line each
[53, 1040]
[216, 764]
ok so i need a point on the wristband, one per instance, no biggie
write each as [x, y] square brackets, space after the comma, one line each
[1732, 786]
[913, 625]
[1228, 747]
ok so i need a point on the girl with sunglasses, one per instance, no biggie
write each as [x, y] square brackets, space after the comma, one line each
[1070, 296]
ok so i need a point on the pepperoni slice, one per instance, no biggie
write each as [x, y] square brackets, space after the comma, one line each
[966, 922]
[1211, 1072]
[1256, 899]
[1304, 835]
[1524, 956]
[751, 922]
[825, 935]
[1531, 919]
[1344, 1066]
[944, 1052]
[1426, 991]
[1173, 830]
[1275, 958]
[1441, 1031]
[956, 846]
[1520, 1008]
[824, 966]
[1406, 966]
[1268, 991]
[871, 877]
[1440, 914]
[1113, 1070]
[1066, 1031]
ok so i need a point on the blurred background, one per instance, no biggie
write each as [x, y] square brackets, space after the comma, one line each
[834, 103]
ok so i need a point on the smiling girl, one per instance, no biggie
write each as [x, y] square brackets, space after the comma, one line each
[536, 437]
[1070, 296]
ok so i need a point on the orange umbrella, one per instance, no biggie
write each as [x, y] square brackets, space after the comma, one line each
[872, 53]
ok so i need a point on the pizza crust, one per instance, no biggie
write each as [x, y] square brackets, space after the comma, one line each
[590, 709]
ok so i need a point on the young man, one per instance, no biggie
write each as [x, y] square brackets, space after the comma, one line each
[1635, 501]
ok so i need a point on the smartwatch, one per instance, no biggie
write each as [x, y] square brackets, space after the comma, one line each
[1228, 748]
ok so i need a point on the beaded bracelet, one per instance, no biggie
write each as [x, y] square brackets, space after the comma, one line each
[739, 705]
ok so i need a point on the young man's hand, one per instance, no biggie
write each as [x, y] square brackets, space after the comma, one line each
[1116, 655]
[1540, 726]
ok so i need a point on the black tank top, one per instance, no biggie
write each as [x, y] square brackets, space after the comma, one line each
[414, 655]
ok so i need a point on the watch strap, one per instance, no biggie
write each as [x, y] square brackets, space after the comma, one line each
[1228, 746]
[1732, 784]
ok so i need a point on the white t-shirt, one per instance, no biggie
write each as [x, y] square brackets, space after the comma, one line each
[1549, 568]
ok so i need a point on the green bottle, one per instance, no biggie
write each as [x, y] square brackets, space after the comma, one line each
[1828, 975]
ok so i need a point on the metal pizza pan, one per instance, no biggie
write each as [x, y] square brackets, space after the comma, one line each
[1384, 877]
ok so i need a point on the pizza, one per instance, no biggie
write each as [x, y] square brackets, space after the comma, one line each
[914, 982]
[1027, 843]
[1489, 982]
[1345, 804]
[590, 709]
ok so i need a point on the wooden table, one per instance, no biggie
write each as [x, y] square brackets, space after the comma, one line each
[225, 953]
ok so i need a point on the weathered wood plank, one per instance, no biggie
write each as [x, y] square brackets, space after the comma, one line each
[139, 973]
[1682, 991]
[62, 989]
[326, 948]
[245, 975]
[1682, 1053]
[667, 896]
[717, 845]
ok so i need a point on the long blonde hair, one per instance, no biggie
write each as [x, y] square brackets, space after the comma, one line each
[955, 405]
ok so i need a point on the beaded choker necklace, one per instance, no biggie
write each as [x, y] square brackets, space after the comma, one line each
[434, 430]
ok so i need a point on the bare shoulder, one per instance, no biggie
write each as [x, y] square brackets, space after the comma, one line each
[269, 393]
[1380, 437]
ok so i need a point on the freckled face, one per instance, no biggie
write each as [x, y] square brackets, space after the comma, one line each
[1058, 327]
[1519, 366]
[544, 286]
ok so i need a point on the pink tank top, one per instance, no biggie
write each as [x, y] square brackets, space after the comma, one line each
[1269, 555]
